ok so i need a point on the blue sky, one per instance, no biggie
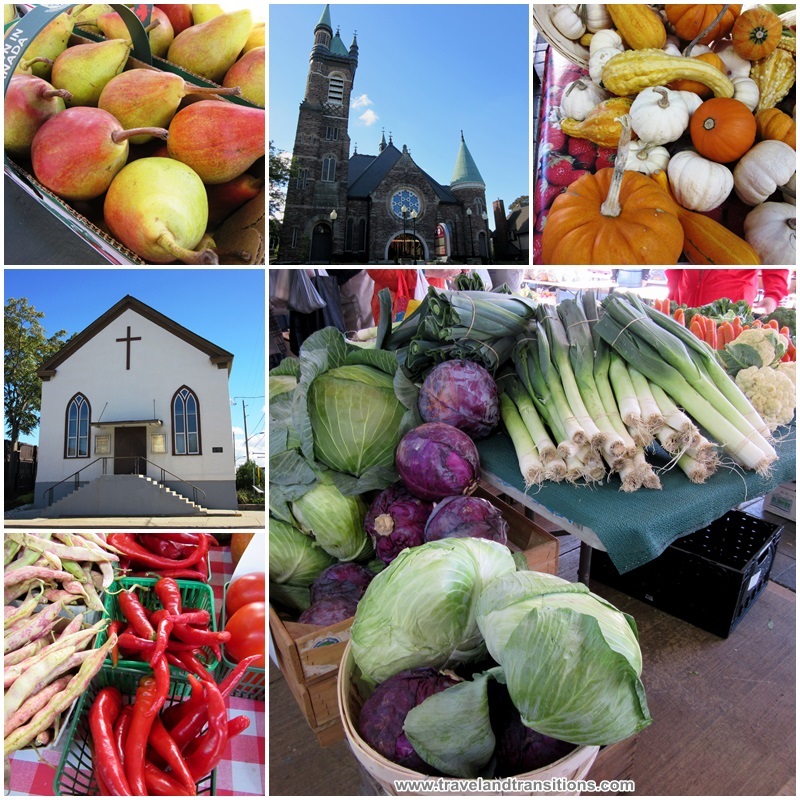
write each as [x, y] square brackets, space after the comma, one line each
[224, 306]
[425, 72]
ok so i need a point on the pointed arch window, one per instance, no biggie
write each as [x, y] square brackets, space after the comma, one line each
[329, 168]
[76, 435]
[185, 423]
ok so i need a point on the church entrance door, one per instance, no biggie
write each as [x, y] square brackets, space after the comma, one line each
[321, 244]
[130, 443]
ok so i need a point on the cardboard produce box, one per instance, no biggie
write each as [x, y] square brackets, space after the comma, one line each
[243, 238]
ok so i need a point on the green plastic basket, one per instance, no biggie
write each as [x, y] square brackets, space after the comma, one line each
[193, 595]
[252, 685]
[75, 773]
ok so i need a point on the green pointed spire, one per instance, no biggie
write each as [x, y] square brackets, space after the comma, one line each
[465, 171]
[337, 46]
[325, 19]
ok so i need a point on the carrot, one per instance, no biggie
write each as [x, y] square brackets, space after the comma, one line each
[737, 327]
[711, 333]
[696, 328]
[784, 331]
[791, 352]
[680, 316]
[725, 335]
[758, 324]
[773, 323]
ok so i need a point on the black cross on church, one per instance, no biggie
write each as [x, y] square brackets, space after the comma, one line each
[128, 339]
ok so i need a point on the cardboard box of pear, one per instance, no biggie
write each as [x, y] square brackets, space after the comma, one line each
[238, 240]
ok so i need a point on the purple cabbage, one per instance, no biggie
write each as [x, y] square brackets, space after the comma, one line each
[384, 714]
[518, 748]
[329, 611]
[396, 520]
[436, 460]
[341, 580]
[461, 393]
[461, 517]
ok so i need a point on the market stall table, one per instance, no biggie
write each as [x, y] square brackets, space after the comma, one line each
[242, 769]
[635, 527]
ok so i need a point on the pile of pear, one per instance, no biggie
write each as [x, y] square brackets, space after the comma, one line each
[76, 111]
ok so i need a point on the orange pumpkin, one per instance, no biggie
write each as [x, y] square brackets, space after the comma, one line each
[772, 123]
[615, 216]
[723, 129]
[700, 89]
[690, 19]
[756, 33]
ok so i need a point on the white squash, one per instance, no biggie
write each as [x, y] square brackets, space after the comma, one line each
[580, 97]
[659, 115]
[771, 230]
[597, 17]
[597, 61]
[567, 21]
[646, 157]
[736, 66]
[762, 169]
[606, 38]
[698, 183]
[788, 190]
[672, 47]
[693, 101]
[746, 90]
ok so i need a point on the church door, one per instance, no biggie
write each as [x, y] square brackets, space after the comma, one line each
[321, 244]
[128, 444]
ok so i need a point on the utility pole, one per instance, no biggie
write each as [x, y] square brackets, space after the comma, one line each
[246, 445]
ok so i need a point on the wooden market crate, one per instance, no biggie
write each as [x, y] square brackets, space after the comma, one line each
[309, 655]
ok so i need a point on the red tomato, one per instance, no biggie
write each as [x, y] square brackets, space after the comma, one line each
[244, 590]
[247, 628]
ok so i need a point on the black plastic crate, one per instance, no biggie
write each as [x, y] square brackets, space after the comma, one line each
[709, 578]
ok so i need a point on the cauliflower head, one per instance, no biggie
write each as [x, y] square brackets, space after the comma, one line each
[789, 368]
[756, 347]
[771, 392]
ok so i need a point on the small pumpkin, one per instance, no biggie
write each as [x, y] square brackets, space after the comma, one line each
[597, 17]
[615, 216]
[698, 183]
[647, 158]
[608, 38]
[689, 20]
[772, 123]
[693, 101]
[762, 169]
[580, 98]
[756, 33]
[659, 115]
[789, 190]
[746, 90]
[567, 21]
[735, 65]
[771, 229]
[598, 60]
[723, 129]
[685, 85]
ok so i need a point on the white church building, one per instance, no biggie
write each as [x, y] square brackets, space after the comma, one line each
[135, 420]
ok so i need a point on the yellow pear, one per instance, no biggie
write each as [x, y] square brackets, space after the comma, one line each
[85, 69]
[9, 13]
[256, 37]
[210, 49]
[203, 13]
[50, 42]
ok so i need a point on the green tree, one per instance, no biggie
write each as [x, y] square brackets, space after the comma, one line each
[26, 348]
[520, 202]
[248, 475]
[279, 174]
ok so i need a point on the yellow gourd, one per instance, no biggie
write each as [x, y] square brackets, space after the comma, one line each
[629, 72]
[601, 126]
[772, 123]
[774, 75]
[639, 25]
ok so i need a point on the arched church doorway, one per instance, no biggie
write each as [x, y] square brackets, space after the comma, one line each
[321, 244]
[483, 247]
[406, 248]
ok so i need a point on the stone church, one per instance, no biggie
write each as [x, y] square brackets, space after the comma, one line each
[363, 208]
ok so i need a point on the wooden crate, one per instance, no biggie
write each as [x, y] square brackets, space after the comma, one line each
[309, 655]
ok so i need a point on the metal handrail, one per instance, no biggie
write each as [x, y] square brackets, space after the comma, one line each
[105, 459]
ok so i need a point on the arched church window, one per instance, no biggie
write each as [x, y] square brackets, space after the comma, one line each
[185, 423]
[479, 206]
[348, 235]
[362, 236]
[336, 89]
[79, 412]
[329, 168]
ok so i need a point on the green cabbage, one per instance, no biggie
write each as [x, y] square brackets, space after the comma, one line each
[571, 659]
[420, 611]
[335, 521]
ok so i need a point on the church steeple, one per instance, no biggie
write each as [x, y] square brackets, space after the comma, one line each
[323, 31]
[354, 48]
[382, 145]
[465, 172]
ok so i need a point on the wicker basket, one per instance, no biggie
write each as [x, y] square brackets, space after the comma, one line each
[352, 695]
[574, 51]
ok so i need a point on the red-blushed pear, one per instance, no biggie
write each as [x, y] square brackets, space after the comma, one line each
[225, 198]
[209, 50]
[29, 103]
[157, 207]
[77, 153]
[218, 140]
[249, 73]
[85, 69]
[147, 97]
[160, 36]
[51, 41]
[180, 15]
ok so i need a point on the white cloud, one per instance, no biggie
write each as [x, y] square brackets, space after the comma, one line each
[257, 445]
[362, 101]
[369, 117]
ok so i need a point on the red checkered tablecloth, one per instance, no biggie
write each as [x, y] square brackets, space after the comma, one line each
[242, 766]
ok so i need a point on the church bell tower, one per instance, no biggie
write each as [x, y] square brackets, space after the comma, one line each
[311, 233]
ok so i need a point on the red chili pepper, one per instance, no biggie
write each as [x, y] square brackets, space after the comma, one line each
[169, 593]
[193, 664]
[121, 728]
[205, 752]
[127, 544]
[165, 746]
[160, 669]
[158, 546]
[186, 574]
[103, 714]
[199, 638]
[130, 643]
[178, 711]
[115, 626]
[159, 783]
[237, 725]
[133, 610]
[145, 709]
[231, 681]
[162, 639]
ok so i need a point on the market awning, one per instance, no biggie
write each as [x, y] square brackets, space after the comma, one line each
[128, 423]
